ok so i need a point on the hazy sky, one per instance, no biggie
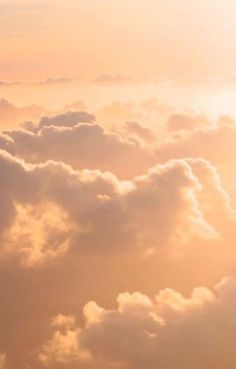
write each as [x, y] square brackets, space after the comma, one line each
[143, 39]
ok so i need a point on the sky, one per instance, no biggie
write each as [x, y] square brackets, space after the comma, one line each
[89, 38]
[117, 184]
[183, 51]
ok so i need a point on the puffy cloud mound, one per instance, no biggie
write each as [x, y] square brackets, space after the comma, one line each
[68, 119]
[128, 151]
[94, 210]
[171, 331]
[81, 201]
[82, 145]
[214, 143]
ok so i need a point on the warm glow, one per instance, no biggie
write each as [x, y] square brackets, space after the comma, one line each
[118, 184]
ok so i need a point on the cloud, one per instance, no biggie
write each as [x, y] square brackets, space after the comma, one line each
[56, 81]
[6, 143]
[132, 148]
[170, 331]
[215, 143]
[3, 360]
[82, 145]
[91, 210]
[11, 115]
[139, 130]
[43, 231]
[68, 119]
[134, 202]
[178, 122]
[46, 82]
[112, 79]
[149, 112]
[64, 119]
[8, 83]
[76, 106]
[81, 202]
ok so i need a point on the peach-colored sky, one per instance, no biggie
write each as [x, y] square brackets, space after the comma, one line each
[143, 39]
[182, 52]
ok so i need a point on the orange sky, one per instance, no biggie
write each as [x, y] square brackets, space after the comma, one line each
[142, 39]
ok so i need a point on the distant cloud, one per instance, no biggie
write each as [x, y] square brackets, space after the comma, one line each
[47, 82]
[148, 111]
[7, 83]
[184, 122]
[11, 115]
[56, 81]
[68, 119]
[112, 79]
[139, 130]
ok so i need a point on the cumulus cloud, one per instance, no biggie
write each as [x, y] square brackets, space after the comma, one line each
[215, 143]
[81, 202]
[91, 209]
[68, 119]
[82, 145]
[170, 331]
[125, 201]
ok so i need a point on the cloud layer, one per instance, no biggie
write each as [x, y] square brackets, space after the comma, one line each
[170, 331]
[84, 201]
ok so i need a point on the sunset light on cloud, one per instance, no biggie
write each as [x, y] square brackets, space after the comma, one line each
[118, 184]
